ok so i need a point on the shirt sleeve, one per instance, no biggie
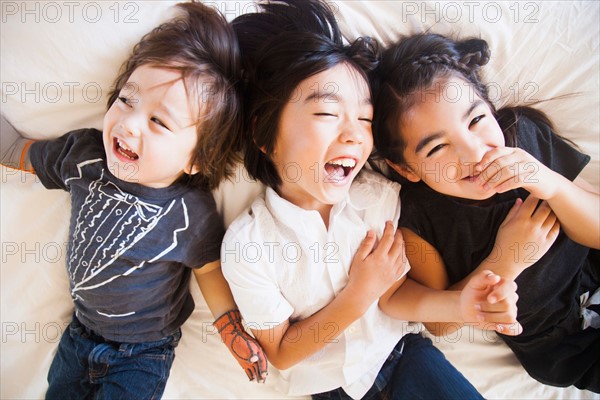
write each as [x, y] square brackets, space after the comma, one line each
[208, 224]
[54, 161]
[253, 281]
[549, 148]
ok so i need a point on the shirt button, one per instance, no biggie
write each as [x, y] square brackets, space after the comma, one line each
[352, 329]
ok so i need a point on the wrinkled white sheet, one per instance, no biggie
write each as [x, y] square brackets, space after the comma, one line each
[58, 62]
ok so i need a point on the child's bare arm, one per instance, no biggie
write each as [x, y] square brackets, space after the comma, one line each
[423, 298]
[486, 300]
[214, 288]
[14, 148]
[371, 274]
[219, 299]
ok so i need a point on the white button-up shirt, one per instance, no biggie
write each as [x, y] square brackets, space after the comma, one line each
[282, 263]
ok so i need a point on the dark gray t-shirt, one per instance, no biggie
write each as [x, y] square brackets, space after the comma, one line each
[131, 248]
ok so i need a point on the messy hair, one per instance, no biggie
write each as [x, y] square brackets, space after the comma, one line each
[202, 46]
[282, 45]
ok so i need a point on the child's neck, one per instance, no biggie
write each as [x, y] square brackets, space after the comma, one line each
[324, 210]
[325, 214]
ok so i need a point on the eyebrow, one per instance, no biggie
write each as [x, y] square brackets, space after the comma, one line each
[426, 140]
[331, 97]
[317, 96]
[436, 135]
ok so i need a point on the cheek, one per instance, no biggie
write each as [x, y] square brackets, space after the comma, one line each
[451, 172]
[369, 142]
[495, 135]
[110, 117]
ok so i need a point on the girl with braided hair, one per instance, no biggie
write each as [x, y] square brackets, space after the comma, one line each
[493, 189]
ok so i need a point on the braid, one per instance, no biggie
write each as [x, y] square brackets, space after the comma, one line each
[444, 59]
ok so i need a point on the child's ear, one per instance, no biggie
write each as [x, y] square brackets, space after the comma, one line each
[192, 169]
[405, 171]
[263, 149]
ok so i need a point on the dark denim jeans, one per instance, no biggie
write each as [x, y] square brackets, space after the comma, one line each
[415, 369]
[86, 366]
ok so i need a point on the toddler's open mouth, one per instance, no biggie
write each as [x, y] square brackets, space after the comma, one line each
[125, 151]
[339, 169]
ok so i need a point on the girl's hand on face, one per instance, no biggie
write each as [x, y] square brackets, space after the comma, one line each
[377, 267]
[524, 236]
[505, 168]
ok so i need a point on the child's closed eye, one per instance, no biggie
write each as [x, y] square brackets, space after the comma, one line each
[323, 114]
[124, 100]
[159, 122]
[476, 120]
[435, 150]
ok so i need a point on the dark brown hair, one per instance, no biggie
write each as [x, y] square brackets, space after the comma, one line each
[415, 63]
[202, 46]
[286, 43]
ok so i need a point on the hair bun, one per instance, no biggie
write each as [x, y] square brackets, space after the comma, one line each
[365, 51]
[474, 53]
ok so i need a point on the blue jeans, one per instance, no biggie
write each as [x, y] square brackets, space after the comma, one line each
[415, 369]
[87, 366]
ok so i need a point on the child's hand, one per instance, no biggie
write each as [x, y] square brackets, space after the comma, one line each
[491, 301]
[246, 350]
[524, 237]
[373, 271]
[506, 168]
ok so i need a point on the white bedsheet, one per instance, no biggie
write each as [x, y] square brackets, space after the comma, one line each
[58, 62]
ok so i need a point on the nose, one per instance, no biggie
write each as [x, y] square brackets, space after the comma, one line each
[353, 132]
[131, 125]
[471, 150]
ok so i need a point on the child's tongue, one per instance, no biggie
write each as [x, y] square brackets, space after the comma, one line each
[335, 172]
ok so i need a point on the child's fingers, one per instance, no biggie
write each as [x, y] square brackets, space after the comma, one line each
[503, 290]
[513, 329]
[529, 205]
[554, 231]
[500, 317]
[397, 247]
[502, 168]
[542, 213]
[483, 279]
[366, 247]
[514, 209]
[491, 156]
[387, 239]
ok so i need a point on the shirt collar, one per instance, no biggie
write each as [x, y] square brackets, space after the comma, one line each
[360, 197]
[287, 212]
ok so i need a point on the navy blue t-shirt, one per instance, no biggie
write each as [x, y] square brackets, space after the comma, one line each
[131, 248]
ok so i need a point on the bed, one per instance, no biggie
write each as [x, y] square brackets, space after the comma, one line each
[58, 62]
